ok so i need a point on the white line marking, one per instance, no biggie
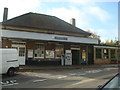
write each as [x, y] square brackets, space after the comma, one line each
[2, 83]
[84, 81]
[7, 82]
[93, 71]
[10, 84]
[41, 80]
[73, 74]
[108, 69]
[62, 77]
[82, 74]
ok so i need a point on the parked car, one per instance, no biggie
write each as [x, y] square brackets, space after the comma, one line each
[9, 61]
[113, 83]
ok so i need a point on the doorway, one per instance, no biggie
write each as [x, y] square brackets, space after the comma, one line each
[75, 57]
[20, 46]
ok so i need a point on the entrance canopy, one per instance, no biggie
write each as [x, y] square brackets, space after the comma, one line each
[47, 37]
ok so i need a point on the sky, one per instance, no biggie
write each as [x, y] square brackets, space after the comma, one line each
[98, 16]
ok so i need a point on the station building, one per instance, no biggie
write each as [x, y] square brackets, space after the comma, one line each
[106, 54]
[44, 39]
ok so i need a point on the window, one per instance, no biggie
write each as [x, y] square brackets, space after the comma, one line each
[112, 51]
[21, 52]
[105, 53]
[98, 53]
[39, 51]
[58, 51]
[18, 43]
[118, 54]
[49, 53]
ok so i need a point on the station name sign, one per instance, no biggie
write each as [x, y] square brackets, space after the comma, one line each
[61, 38]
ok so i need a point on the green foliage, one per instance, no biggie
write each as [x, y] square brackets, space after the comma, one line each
[107, 42]
[110, 42]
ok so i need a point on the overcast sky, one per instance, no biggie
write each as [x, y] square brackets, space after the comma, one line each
[99, 16]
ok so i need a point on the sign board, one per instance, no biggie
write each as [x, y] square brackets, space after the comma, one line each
[83, 55]
[61, 38]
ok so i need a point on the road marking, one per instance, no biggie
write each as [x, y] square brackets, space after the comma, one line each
[86, 72]
[94, 71]
[10, 84]
[90, 80]
[41, 80]
[84, 81]
[78, 74]
[82, 74]
[73, 74]
[2, 83]
[62, 77]
[108, 69]
[7, 82]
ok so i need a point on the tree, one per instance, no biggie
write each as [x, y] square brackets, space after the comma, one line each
[94, 35]
[107, 42]
[111, 42]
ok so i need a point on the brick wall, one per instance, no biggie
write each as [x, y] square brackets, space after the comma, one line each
[6, 43]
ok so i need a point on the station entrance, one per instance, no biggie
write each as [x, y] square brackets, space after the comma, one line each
[76, 57]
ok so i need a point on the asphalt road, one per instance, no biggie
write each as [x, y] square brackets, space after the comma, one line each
[69, 78]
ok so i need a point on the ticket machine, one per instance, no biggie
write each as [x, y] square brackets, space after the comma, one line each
[68, 57]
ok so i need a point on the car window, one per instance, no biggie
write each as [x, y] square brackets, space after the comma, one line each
[114, 83]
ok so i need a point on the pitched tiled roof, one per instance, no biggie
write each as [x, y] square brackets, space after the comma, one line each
[44, 22]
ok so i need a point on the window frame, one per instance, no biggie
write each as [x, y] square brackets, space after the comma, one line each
[98, 54]
[36, 48]
[105, 53]
[114, 54]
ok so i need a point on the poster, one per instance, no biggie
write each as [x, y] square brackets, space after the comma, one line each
[30, 53]
[84, 55]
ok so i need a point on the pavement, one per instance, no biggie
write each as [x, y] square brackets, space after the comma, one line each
[33, 68]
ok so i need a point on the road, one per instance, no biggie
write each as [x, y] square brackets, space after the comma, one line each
[69, 78]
